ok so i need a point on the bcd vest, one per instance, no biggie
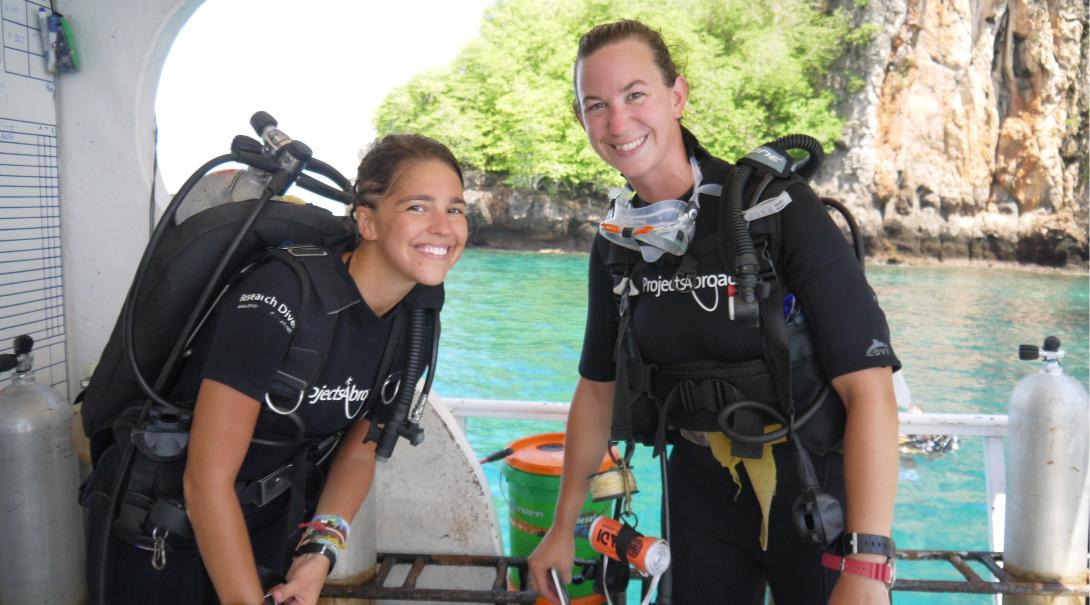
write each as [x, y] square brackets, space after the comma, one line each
[151, 501]
[651, 401]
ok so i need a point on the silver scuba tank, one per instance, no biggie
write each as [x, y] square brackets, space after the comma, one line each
[1048, 480]
[221, 187]
[41, 557]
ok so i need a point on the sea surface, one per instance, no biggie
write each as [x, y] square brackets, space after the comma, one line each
[513, 326]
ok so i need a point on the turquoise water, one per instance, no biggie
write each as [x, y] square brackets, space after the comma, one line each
[513, 327]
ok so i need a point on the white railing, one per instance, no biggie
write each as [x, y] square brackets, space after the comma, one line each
[993, 427]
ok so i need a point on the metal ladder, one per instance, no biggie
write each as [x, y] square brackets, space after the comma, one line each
[499, 592]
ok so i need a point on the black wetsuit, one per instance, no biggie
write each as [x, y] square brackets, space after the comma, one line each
[714, 528]
[243, 348]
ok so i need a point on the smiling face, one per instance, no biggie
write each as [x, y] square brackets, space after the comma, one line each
[418, 229]
[629, 113]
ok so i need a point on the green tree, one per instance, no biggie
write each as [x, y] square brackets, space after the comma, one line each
[504, 104]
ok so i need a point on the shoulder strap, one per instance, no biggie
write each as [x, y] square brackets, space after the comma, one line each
[387, 360]
[316, 270]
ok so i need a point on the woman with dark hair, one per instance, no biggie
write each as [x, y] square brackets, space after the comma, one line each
[665, 353]
[410, 216]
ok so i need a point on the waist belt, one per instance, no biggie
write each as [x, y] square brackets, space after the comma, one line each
[693, 399]
[693, 404]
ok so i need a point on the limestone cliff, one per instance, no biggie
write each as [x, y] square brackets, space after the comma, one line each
[967, 138]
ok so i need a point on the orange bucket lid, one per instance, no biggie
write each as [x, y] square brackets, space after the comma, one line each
[543, 455]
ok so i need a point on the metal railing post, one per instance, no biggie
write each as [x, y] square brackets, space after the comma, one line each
[995, 477]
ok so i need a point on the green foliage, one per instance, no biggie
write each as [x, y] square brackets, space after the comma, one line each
[855, 84]
[504, 104]
[862, 35]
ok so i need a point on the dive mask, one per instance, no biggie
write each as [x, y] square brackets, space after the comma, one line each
[657, 228]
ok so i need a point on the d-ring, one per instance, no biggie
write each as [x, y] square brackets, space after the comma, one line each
[273, 407]
[382, 392]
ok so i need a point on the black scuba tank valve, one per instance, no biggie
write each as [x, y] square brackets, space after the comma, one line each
[1049, 351]
[266, 127]
[22, 345]
[19, 359]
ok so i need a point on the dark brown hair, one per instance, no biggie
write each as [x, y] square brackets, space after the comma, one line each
[380, 166]
[607, 33]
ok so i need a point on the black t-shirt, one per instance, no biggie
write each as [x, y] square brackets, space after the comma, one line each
[847, 327]
[244, 346]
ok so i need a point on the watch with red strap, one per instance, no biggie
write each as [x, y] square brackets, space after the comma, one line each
[865, 544]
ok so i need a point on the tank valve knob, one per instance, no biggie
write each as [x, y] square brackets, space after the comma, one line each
[23, 344]
[1028, 352]
[20, 359]
[1052, 344]
[1049, 351]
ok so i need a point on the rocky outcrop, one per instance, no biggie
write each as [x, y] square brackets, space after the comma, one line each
[526, 218]
[969, 136]
[967, 139]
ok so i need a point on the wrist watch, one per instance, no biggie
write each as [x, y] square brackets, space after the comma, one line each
[319, 548]
[853, 543]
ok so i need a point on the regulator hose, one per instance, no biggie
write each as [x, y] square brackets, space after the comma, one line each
[745, 255]
[436, 329]
[853, 228]
[809, 165]
[398, 425]
[786, 424]
[774, 157]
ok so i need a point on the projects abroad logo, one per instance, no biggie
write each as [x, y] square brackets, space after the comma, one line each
[281, 311]
[691, 284]
[349, 393]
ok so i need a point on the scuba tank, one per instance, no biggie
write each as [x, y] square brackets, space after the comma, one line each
[1048, 482]
[41, 561]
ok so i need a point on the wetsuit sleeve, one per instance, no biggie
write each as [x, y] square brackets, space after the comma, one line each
[847, 326]
[253, 329]
[600, 335]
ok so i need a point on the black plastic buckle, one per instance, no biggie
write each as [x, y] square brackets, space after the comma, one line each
[272, 485]
[685, 389]
[305, 251]
[647, 379]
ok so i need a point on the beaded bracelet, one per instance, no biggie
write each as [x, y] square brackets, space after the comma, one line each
[326, 535]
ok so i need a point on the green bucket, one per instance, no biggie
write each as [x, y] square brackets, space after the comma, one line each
[532, 477]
